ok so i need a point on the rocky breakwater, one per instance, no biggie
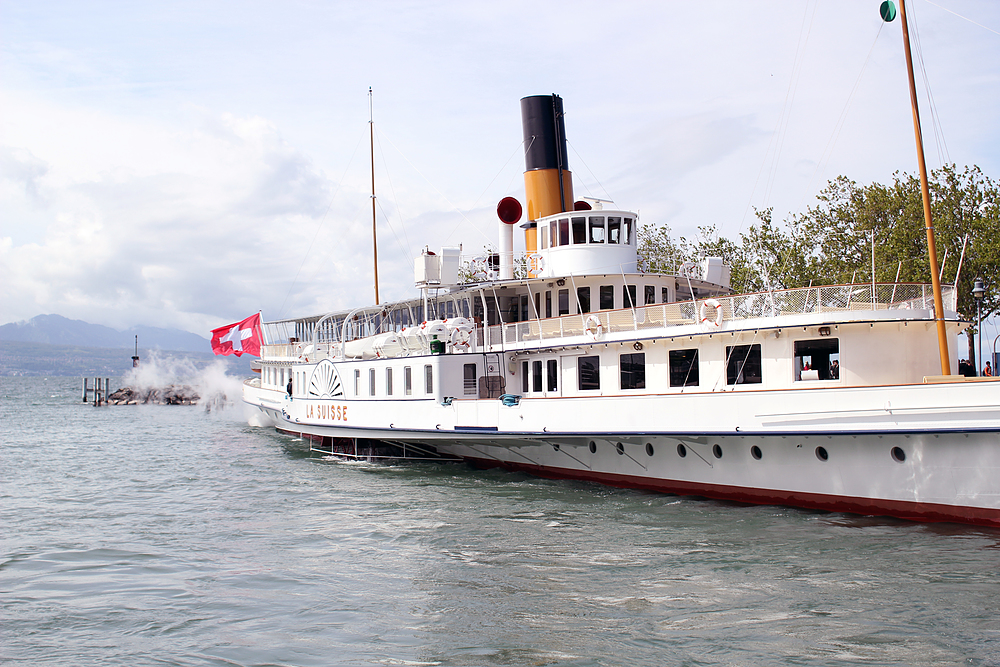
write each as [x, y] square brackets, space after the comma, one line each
[173, 394]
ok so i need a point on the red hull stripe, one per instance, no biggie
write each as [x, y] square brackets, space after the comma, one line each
[911, 511]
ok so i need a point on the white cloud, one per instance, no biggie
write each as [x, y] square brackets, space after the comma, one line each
[186, 166]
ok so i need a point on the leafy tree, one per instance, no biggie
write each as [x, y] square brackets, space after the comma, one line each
[831, 243]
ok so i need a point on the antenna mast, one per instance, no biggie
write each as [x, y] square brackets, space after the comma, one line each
[926, 196]
[371, 127]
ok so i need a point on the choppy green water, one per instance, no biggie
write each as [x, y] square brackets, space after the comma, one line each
[172, 536]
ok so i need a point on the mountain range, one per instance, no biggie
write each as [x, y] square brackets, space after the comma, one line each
[59, 330]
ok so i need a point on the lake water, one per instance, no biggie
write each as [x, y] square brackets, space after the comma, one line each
[167, 535]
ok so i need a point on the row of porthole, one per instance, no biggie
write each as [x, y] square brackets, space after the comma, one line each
[897, 453]
[619, 447]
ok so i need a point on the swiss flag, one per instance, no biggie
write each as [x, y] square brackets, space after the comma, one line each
[240, 338]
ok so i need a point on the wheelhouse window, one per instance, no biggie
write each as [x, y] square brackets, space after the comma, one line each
[583, 298]
[684, 368]
[469, 379]
[564, 232]
[817, 359]
[597, 229]
[536, 375]
[579, 230]
[627, 231]
[607, 297]
[614, 229]
[633, 370]
[543, 237]
[743, 364]
[589, 373]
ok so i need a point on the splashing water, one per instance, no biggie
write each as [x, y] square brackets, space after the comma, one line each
[214, 387]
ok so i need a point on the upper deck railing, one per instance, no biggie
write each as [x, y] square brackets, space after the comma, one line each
[820, 299]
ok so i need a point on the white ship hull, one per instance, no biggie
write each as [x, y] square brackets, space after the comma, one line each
[899, 450]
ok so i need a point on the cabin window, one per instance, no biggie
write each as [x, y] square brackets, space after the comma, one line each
[371, 381]
[469, 379]
[524, 377]
[633, 370]
[579, 230]
[552, 374]
[817, 359]
[564, 302]
[743, 364]
[628, 296]
[597, 229]
[589, 373]
[543, 237]
[357, 382]
[614, 229]
[583, 299]
[388, 381]
[407, 381]
[548, 303]
[428, 379]
[538, 304]
[684, 368]
[607, 297]
[627, 231]
[512, 309]
[664, 295]
[536, 375]
[564, 232]
[524, 308]
[649, 294]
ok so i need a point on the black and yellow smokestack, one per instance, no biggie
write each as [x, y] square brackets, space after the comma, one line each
[548, 184]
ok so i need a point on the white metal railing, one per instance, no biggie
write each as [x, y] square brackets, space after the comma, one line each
[820, 299]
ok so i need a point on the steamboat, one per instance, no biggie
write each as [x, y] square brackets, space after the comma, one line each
[575, 363]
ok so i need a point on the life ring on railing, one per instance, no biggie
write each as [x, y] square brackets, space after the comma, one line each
[536, 263]
[594, 327]
[705, 319]
[460, 338]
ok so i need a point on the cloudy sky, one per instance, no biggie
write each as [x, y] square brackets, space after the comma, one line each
[190, 163]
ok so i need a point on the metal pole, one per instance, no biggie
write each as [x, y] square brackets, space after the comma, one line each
[371, 127]
[84, 390]
[979, 330]
[926, 197]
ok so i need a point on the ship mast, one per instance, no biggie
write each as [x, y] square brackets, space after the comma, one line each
[926, 196]
[371, 128]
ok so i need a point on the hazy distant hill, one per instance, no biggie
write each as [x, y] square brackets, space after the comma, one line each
[59, 330]
[42, 359]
